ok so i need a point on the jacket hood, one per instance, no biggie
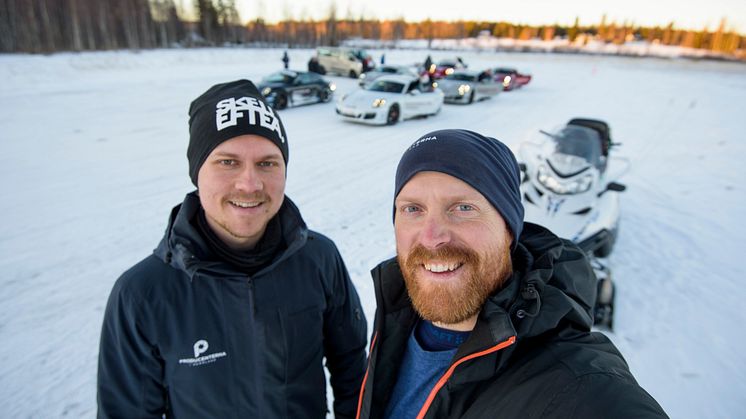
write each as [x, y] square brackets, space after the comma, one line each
[184, 248]
[552, 283]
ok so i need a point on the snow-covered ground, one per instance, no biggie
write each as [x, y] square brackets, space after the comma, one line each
[92, 158]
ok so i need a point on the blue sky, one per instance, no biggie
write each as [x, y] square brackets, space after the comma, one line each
[685, 14]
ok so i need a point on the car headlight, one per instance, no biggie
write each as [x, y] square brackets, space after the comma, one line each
[557, 186]
[266, 91]
[506, 81]
[463, 89]
[449, 71]
[378, 103]
[362, 76]
[332, 87]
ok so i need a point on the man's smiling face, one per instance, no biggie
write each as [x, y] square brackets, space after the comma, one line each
[452, 245]
[241, 187]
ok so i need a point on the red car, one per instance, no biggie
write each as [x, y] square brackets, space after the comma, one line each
[510, 78]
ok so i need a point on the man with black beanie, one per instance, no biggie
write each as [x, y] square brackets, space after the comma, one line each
[481, 315]
[236, 309]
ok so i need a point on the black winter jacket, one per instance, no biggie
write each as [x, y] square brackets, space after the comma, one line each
[194, 338]
[530, 355]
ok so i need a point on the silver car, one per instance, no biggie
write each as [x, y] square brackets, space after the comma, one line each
[466, 86]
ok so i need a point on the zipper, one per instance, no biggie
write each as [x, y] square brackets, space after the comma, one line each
[365, 377]
[447, 375]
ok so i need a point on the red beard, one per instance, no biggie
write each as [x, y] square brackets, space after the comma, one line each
[463, 297]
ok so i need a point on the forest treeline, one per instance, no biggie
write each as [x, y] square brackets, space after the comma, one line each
[45, 26]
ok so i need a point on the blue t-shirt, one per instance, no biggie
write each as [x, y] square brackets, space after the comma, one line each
[421, 369]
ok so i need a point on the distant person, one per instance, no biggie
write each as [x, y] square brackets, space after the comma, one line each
[238, 306]
[383, 58]
[481, 315]
[285, 59]
[429, 69]
[429, 64]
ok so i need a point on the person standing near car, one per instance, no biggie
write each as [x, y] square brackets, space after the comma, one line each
[233, 313]
[481, 315]
[285, 59]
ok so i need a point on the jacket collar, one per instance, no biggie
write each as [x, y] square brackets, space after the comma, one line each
[184, 248]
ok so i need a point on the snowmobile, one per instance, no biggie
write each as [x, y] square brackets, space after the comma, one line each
[568, 185]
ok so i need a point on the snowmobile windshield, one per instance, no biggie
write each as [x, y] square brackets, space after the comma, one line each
[582, 143]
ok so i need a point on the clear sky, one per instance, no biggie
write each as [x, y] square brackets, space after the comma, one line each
[686, 14]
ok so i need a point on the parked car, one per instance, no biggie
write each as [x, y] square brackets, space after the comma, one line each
[510, 78]
[464, 86]
[342, 61]
[390, 99]
[362, 55]
[383, 70]
[444, 68]
[292, 88]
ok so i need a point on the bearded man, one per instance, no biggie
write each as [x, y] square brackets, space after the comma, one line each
[481, 315]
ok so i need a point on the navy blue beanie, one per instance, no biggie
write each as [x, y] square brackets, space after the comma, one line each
[484, 163]
[228, 110]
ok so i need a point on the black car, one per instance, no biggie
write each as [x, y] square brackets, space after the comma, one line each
[292, 88]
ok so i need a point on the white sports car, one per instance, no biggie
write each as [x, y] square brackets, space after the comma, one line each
[390, 99]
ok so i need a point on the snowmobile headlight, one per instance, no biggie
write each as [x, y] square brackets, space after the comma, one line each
[463, 89]
[332, 87]
[556, 185]
[378, 103]
[266, 91]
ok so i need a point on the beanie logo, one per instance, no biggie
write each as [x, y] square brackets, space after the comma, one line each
[229, 111]
[422, 140]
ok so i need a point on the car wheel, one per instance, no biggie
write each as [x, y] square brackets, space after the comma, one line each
[352, 74]
[393, 116]
[281, 102]
[471, 97]
[324, 95]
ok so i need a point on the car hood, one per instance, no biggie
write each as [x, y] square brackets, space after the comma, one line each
[365, 97]
[444, 84]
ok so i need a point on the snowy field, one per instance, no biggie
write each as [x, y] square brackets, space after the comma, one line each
[93, 157]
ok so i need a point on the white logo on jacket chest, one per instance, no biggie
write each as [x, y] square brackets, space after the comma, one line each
[200, 347]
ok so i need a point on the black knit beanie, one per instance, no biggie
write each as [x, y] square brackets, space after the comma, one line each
[484, 163]
[228, 110]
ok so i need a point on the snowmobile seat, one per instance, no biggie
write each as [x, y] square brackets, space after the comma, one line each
[599, 126]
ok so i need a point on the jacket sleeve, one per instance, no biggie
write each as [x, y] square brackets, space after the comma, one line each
[129, 370]
[345, 334]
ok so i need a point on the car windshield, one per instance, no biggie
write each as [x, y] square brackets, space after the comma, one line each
[460, 77]
[279, 77]
[581, 142]
[447, 64]
[386, 86]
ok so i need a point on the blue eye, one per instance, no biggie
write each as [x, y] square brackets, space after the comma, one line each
[464, 207]
[410, 208]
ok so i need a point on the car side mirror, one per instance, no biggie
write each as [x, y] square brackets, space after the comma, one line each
[414, 92]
